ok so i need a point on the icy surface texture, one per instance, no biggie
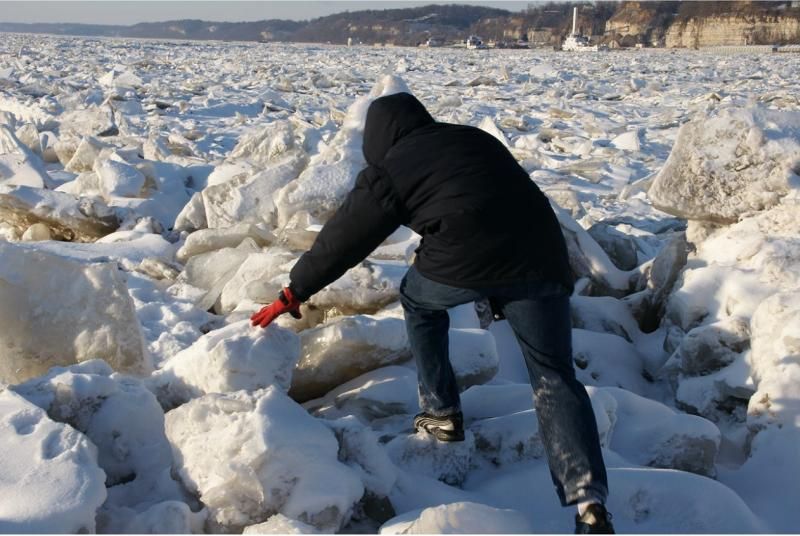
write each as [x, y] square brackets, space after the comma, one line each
[51, 481]
[233, 358]
[207, 240]
[124, 420]
[344, 349]
[648, 433]
[280, 524]
[19, 165]
[68, 218]
[250, 456]
[730, 164]
[423, 454]
[56, 312]
[459, 518]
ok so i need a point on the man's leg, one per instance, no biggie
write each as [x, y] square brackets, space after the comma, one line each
[425, 304]
[566, 420]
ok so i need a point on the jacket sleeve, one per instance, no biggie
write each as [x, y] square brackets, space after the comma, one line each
[362, 222]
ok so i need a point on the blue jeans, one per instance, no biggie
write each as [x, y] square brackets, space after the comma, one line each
[539, 314]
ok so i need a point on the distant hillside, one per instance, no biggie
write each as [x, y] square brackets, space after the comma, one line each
[267, 30]
[672, 24]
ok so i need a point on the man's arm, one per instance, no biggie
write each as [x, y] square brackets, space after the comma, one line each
[360, 224]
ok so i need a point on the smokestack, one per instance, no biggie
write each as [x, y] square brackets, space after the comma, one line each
[574, 20]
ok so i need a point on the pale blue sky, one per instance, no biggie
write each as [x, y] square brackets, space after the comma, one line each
[132, 12]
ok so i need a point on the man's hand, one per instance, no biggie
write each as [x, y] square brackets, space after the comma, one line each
[286, 303]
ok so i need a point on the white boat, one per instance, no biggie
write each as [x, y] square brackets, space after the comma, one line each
[576, 42]
[475, 43]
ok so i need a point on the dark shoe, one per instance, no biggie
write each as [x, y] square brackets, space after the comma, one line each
[446, 428]
[595, 520]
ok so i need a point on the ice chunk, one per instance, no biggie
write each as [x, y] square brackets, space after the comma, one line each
[36, 233]
[659, 275]
[775, 363]
[366, 288]
[604, 314]
[473, 354]
[206, 240]
[587, 259]
[603, 359]
[259, 279]
[381, 393]
[508, 439]
[629, 141]
[51, 482]
[620, 247]
[19, 165]
[193, 215]
[459, 518]
[122, 418]
[68, 218]
[236, 357]
[708, 348]
[56, 311]
[119, 179]
[729, 164]
[344, 349]
[359, 449]
[168, 517]
[251, 456]
[280, 524]
[85, 154]
[250, 196]
[211, 271]
[649, 433]
[489, 126]
[423, 454]
[120, 79]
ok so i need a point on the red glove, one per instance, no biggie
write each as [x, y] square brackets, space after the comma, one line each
[286, 303]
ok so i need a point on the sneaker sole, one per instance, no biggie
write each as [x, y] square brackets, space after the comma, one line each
[430, 426]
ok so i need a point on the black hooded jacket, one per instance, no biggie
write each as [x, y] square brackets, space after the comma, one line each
[482, 219]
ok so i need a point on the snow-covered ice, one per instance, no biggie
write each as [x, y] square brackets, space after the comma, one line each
[153, 194]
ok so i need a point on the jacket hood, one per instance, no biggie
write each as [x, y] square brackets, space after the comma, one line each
[390, 118]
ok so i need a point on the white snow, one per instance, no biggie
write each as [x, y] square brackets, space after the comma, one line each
[153, 196]
[51, 482]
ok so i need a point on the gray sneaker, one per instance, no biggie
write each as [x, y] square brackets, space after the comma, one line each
[445, 428]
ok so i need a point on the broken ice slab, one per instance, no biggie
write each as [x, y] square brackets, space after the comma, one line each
[729, 164]
[211, 271]
[459, 518]
[56, 311]
[259, 278]
[280, 524]
[365, 288]
[51, 480]
[206, 240]
[473, 355]
[344, 349]
[248, 197]
[508, 439]
[381, 393]
[649, 433]
[235, 357]
[68, 218]
[270, 457]
[423, 454]
[603, 359]
[19, 165]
